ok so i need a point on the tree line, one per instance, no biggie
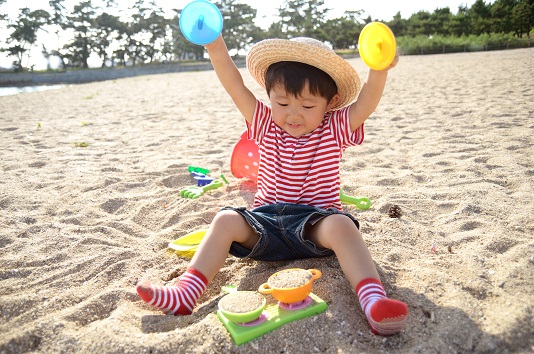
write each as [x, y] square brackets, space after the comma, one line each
[145, 34]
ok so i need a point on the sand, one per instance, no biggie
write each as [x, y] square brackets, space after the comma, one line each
[451, 143]
[289, 278]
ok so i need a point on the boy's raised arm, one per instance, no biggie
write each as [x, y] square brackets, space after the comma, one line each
[231, 78]
[369, 96]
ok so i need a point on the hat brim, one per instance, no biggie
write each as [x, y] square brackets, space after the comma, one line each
[267, 52]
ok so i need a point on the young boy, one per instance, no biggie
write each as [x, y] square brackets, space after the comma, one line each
[312, 118]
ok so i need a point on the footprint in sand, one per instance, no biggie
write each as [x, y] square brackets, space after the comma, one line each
[112, 205]
[37, 164]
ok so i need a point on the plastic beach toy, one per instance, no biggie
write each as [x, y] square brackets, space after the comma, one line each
[201, 179]
[188, 242]
[276, 317]
[195, 192]
[362, 203]
[242, 317]
[377, 45]
[195, 169]
[245, 159]
[201, 22]
[290, 295]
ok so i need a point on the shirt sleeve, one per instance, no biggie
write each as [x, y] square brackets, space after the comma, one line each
[340, 127]
[261, 121]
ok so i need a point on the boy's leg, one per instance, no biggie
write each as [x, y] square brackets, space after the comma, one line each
[180, 299]
[339, 233]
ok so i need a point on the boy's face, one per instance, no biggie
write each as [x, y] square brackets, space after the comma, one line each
[298, 115]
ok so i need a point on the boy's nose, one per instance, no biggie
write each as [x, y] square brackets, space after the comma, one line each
[292, 120]
[292, 115]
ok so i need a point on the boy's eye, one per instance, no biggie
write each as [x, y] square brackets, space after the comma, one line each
[308, 107]
[282, 104]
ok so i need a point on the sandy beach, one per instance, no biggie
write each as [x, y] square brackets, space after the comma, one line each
[89, 200]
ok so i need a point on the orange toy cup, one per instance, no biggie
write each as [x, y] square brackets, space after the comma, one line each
[245, 159]
[290, 295]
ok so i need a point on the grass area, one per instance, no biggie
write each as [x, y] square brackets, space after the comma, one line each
[446, 44]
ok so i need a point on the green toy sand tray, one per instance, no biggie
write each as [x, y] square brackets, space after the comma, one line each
[276, 317]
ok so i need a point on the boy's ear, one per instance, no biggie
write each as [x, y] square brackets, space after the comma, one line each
[333, 102]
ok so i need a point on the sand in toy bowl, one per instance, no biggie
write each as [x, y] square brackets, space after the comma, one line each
[241, 302]
[291, 278]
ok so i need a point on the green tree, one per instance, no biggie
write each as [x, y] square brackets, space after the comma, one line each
[108, 29]
[57, 17]
[151, 27]
[144, 37]
[303, 18]
[501, 16]
[134, 50]
[343, 32]
[182, 48]
[81, 21]
[480, 17]
[460, 24]
[239, 29]
[441, 21]
[2, 16]
[185, 50]
[57, 25]
[276, 30]
[24, 34]
[157, 25]
[420, 23]
[523, 18]
[132, 47]
[398, 25]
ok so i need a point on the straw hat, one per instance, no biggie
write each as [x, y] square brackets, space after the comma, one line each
[309, 51]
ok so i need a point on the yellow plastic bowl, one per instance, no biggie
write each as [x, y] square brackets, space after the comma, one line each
[188, 242]
[377, 45]
[290, 295]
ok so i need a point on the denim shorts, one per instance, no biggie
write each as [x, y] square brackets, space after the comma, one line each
[281, 229]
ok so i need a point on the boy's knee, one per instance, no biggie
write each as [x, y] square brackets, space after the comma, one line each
[228, 217]
[339, 222]
[231, 221]
[235, 226]
[332, 230]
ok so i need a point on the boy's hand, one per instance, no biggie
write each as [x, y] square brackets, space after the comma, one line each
[219, 42]
[393, 63]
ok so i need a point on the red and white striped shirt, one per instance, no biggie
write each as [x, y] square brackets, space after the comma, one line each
[303, 170]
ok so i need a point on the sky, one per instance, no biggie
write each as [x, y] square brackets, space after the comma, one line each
[267, 10]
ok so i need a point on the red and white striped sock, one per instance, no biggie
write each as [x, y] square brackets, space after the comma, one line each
[385, 316]
[179, 299]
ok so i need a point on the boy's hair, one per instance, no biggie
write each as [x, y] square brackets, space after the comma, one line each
[293, 76]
